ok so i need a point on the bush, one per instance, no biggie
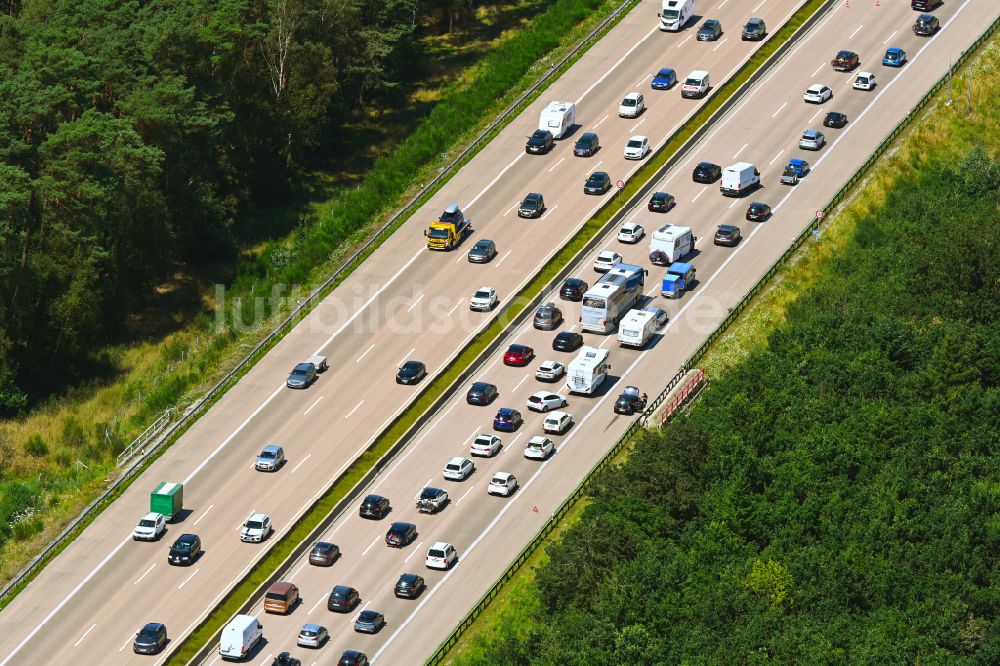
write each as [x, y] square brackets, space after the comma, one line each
[36, 447]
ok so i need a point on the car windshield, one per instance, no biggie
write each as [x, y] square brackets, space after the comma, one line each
[410, 366]
[482, 293]
[254, 525]
[270, 455]
[671, 14]
[147, 634]
[321, 548]
[595, 180]
[183, 546]
[634, 143]
[367, 616]
[628, 102]
[482, 245]
[692, 82]
[300, 371]
[539, 135]
[665, 74]
[845, 55]
[147, 523]
[429, 493]
[438, 233]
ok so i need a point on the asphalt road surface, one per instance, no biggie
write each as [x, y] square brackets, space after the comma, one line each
[406, 302]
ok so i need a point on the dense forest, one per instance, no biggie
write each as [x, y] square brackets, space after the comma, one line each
[834, 498]
[136, 135]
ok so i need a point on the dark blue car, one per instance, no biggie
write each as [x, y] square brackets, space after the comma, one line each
[507, 420]
[664, 79]
[894, 57]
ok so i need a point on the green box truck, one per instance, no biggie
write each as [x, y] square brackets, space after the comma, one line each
[168, 499]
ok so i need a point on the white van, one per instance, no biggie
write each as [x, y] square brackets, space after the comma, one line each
[669, 243]
[558, 118]
[695, 85]
[557, 423]
[738, 179]
[636, 328]
[239, 637]
[674, 14]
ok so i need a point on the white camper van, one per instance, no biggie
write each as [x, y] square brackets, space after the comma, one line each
[636, 328]
[239, 637]
[557, 118]
[675, 14]
[669, 243]
[739, 179]
[588, 370]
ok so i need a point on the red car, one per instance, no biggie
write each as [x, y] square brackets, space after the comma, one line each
[518, 355]
[835, 119]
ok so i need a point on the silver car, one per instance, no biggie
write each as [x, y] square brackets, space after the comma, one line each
[812, 140]
[270, 459]
[312, 636]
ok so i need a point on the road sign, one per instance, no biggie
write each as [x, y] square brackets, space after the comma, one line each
[620, 184]
[819, 215]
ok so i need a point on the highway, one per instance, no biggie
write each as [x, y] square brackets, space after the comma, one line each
[764, 128]
[403, 302]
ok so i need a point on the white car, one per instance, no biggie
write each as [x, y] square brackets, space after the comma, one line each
[660, 314]
[631, 106]
[256, 528]
[637, 147]
[557, 423]
[631, 232]
[543, 401]
[459, 469]
[484, 299]
[606, 260]
[150, 528]
[538, 448]
[864, 81]
[812, 140]
[817, 93]
[502, 483]
[485, 445]
[441, 555]
[550, 371]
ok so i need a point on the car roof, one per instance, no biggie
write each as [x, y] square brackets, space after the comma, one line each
[257, 516]
[755, 21]
[865, 74]
[565, 334]
[538, 439]
[482, 385]
[631, 225]
[533, 195]
[271, 447]
[846, 53]
[152, 515]
[588, 135]
[633, 95]
[458, 460]
[810, 132]
[506, 411]
[666, 71]
[440, 545]
[599, 174]
[556, 414]
[893, 49]
[484, 241]
[817, 86]
[311, 627]
[796, 162]
[502, 475]
[724, 227]
[638, 137]
[187, 538]
[281, 587]
[323, 545]
[518, 347]
[408, 577]
[374, 498]
[607, 253]
[756, 204]
[153, 626]
[342, 589]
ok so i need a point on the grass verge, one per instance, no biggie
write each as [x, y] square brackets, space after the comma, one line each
[942, 129]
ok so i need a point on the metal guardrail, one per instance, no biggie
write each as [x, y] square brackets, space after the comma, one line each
[148, 435]
[302, 308]
[581, 489]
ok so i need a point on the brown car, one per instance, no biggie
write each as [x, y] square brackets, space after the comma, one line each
[281, 598]
[845, 61]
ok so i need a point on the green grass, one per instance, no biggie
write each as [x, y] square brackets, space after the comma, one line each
[937, 129]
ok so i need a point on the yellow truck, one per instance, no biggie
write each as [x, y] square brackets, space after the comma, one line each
[448, 231]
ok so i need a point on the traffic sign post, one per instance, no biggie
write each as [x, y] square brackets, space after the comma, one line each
[819, 215]
[620, 184]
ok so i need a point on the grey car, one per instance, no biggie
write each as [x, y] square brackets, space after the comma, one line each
[409, 586]
[270, 459]
[323, 554]
[533, 206]
[587, 145]
[312, 636]
[754, 30]
[369, 622]
[482, 252]
[812, 140]
[709, 31]
[151, 639]
[302, 376]
[548, 317]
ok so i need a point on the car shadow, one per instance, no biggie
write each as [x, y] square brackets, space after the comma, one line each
[180, 516]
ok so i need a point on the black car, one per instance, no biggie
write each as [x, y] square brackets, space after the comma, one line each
[151, 639]
[630, 402]
[727, 234]
[573, 289]
[411, 372]
[342, 599]
[409, 586]
[185, 550]
[482, 252]
[706, 172]
[533, 206]
[548, 317]
[598, 183]
[285, 659]
[835, 119]
[758, 212]
[400, 534]
[661, 202]
[353, 658]
[540, 142]
[481, 393]
[709, 31]
[567, 341]
[754, 30]
[924, 5]
[375, 506]
[324, 554]
[926, 25]
[586, 145]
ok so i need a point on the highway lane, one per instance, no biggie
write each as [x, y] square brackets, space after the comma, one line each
[406, 302]
[489, 531]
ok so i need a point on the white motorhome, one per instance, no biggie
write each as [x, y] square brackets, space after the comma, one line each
[669, 243]
[739, 179]
[239, 637]
[636, 328]
[558, 118]
[588, 370]
[675, 14]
